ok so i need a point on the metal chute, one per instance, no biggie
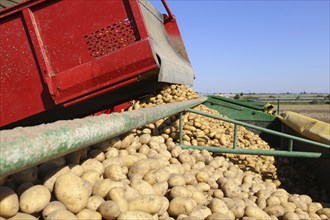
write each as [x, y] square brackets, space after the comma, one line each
[174, 68]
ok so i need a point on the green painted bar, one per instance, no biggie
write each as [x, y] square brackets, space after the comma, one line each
[290, 145]
[235, 136]
[22, 148]
[180, 128]
[261, 129]
[259, 152]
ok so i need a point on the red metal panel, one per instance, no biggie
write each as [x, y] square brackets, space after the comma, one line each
[68, 51]
[22, 90]
[118, 66]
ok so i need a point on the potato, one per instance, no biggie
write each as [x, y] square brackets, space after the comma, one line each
[114, 172]
[94, 202]
[218, 206]
[22, 216]
[140, 167]
[314, 207]
[200, 212]
[181, 205]
[127, 141]
[185, 157]
[34, 199]
[276, 210]
[61, 214]
[109, 210]
[218, 194]
[199, 197]
[273, 200]
[89, 214]
[102, 187]
[256, 212]
[135, 215]
[203, 187]
[146, 203]
[71, 191]
[217, 216]
[144, 138]
[8, 202]
[143, 187]
[115, 143]
[93, 164]
[314, 216]
[117, 194]
[324, 211]
[289, 206]
[92, 176]
[164, 207]
[176, 180]
[180, 191]
[154, 176]
[160, 188]
[50, 180]
[76, 169]
[131, 193]
[113, 160]
[52, 206]
[97, 154]
[112, 152]
[202, 177]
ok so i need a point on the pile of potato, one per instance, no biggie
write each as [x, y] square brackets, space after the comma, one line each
[204, 131]
[145, 175]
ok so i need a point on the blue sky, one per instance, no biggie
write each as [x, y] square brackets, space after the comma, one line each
[256, 46]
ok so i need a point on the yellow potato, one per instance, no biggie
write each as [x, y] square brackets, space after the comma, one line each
[61, 214]
[8, 202]
[22, 216]
[109, 210]
[146, 203]
[181, 205]
[52, 206]
[34, 199]
[71, 191]
[94, 202]
[89, 214]
[135, 215]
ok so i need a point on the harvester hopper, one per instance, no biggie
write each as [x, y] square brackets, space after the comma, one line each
[84, 56]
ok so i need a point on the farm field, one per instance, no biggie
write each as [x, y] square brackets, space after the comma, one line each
[318, 111]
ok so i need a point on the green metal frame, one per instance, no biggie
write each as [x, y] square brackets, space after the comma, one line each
[235, 150]
[238, 109]
[22, 148]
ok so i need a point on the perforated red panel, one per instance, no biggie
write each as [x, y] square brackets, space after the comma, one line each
[110, 38]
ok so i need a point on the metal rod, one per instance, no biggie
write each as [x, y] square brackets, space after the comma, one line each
[278, 106]
[180, 128]
[235, 136]
[290, 144]
[261, 129]
[258, 152]
[22, 148]
[170, 15]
